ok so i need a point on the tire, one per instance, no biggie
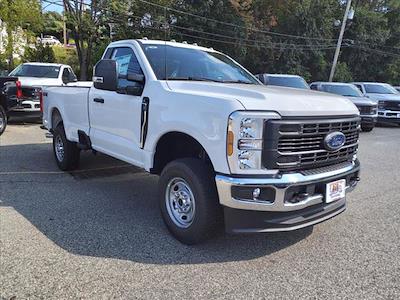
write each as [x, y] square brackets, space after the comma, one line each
[66, 153]
[367, 128]
[3, 120]
[204, 217]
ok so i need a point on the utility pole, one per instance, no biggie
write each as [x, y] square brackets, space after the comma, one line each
[339, 43]
[64, 27]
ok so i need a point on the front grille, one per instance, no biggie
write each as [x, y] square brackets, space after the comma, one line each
[392, 105]
[299, 145]
[367, 110]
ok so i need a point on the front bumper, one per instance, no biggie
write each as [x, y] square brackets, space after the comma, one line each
[389, 116]
[296, 200]
[368, 120]
[27, 106]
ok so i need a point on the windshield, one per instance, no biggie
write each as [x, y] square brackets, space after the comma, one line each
[194, 65]
[294, 82]
[379, 89]
[343, 90]
[36, 71]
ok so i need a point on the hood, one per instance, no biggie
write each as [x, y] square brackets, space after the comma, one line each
[377, 97]
[285, 101]
[35, 81]
[362, 101]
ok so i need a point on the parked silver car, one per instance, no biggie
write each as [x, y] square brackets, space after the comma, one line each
[367, 107]
[388, 99]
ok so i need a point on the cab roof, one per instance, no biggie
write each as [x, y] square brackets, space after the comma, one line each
[44, 64]
[171, 43]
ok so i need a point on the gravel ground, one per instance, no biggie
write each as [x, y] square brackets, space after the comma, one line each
[97, 234]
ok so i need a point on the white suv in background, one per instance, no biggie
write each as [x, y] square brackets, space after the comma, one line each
[49, 40]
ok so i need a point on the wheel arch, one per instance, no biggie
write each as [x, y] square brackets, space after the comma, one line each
[174, 145]
[56, 118]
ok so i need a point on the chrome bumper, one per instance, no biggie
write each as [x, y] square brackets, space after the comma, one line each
[389, 114]
[281, 185]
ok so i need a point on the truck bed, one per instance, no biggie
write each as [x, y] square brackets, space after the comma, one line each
[72, 100]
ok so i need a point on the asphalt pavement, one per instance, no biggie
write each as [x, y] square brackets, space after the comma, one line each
[97, 234]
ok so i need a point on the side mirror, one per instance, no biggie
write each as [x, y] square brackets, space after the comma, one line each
[65, 79]
[105, 75]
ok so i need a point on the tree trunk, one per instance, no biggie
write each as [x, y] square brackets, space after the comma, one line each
[10, 39]
[84, 65]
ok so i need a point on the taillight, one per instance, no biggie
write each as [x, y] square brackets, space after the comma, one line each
[40, 92]
[19, 89]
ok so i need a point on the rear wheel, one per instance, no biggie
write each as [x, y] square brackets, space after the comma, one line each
[66, 153]
[3, 120]
[188, 200]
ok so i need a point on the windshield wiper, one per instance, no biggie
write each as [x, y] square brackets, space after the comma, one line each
[191, 78]
[237, 81]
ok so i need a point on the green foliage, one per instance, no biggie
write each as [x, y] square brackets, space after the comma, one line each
[53, 24]
[19, 14]
[39, 53]
[66, 56]
[371, 48]
[343, 73]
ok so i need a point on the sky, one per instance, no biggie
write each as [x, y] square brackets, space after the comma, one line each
[52, 7]
[58, 8]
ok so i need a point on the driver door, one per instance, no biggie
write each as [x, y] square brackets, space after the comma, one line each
[115, 116]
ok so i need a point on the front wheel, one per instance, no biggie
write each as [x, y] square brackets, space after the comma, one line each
[66, 153]
[188, 200]
[367, 128]
[3, 120]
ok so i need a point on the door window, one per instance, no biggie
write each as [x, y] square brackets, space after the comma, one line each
[127, 63]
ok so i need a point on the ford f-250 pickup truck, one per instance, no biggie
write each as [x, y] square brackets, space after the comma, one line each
[227, 148]
[31, 77]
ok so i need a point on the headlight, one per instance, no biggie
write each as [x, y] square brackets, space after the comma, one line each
[245, 141]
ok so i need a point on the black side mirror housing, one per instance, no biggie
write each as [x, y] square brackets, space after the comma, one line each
[105, 75]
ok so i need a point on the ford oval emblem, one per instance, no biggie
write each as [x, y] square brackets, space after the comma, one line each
[334, 141]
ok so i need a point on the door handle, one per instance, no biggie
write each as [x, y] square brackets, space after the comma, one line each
[98, 100]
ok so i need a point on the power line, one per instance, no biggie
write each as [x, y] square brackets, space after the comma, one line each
[234, 25]
[240, 40]
[375, 51]
[283, 46]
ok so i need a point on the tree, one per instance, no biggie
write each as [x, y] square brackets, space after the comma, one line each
[83, 20]
[53, 24]
[40, 52]
[19, 14]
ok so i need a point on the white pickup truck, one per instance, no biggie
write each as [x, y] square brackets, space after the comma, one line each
[32, 76]
[227, 148]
